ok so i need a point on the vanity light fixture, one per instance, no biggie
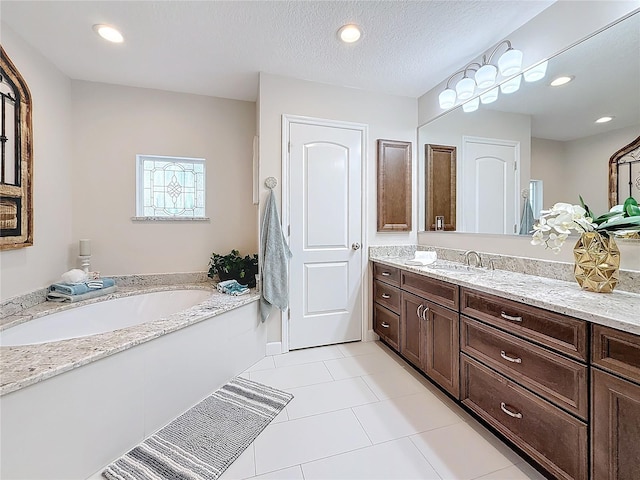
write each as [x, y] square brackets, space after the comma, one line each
[109, 33]
[349, 33]
[485, 74]
[604, 119]
[511, 86]
[556, 82]
[489, 96]
[472, 105]
[536, 73]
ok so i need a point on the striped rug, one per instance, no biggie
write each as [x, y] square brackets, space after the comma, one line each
[202, 442]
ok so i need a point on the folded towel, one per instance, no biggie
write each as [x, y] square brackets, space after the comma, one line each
[232, 287]
[80, 288]
[422, 258]
[275, 259]
[64, 298]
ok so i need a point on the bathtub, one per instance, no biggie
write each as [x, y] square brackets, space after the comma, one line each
[102, 317]
[108, 391]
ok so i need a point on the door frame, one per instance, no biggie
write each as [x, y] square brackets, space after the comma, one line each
[461, 177]
[287, 120]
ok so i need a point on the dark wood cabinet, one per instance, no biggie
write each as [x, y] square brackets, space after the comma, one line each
[442, 348]
[555, 439]
[564, 391]
[615, 427]
[615, 404]
[413, 328]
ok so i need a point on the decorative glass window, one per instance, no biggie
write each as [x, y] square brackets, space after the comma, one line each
[171, 188]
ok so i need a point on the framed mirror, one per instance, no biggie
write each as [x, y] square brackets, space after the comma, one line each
[16, 196]
[624, 173]
[541, 144]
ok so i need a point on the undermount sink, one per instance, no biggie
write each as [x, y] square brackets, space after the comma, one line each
[454, 267]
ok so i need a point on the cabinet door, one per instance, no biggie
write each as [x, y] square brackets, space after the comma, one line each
[412, 344]
[442, 350]
[615, 428]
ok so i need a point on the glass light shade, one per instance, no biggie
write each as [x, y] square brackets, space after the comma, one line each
[486, 76]
[471, 105]
[447, 98]
[465, 88]
[490, 96]
[511, 86]
[510, 62]
[536, 73]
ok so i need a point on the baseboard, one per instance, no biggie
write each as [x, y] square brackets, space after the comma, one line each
[371, 336]
[274, 348]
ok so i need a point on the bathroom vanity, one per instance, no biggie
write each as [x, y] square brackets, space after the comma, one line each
[563, 388]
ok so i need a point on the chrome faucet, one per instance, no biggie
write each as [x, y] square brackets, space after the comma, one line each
[472, 253]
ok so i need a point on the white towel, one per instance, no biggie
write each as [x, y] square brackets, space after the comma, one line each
[422, 258]
[275, 257]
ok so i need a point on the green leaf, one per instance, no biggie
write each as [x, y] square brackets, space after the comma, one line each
[607, 216]
[589, 214]
[623, 223]
[631, 210]
[630, 201]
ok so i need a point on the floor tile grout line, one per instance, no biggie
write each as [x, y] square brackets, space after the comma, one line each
[424, 456]
[493, 471]
[361, 426]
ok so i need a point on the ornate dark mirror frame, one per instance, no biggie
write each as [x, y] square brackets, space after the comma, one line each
[16, 196]
[628, 157]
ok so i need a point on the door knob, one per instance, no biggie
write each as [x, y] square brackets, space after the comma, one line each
[355, 246]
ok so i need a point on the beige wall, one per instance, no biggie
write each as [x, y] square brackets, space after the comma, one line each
[588, 159]
[388, 117]
[547, 164]
[29, 268]
[111, 125]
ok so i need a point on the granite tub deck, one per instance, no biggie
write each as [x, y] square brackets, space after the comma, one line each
[24, 365]
[620, 309]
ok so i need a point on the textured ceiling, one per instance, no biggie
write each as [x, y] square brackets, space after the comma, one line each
[218, 47]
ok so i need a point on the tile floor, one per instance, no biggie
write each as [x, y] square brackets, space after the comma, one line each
[360, 412]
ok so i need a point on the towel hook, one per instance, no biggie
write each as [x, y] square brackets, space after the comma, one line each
[271, 182]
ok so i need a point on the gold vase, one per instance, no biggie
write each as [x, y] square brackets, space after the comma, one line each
[597, 261]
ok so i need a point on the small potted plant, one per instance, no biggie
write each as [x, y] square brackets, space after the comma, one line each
[234, 267]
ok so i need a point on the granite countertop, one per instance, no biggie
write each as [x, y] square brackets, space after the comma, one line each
[25, 365]
[618, 309]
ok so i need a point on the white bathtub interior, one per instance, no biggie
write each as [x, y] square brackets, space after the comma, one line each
[72, 424]
[102, 317]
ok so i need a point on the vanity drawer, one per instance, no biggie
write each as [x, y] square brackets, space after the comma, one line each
[559, 332]
[552, 376]
[555, 439]
[386, 274]
[442, 293]
[387, 325]
[616, 351]
[387, 296]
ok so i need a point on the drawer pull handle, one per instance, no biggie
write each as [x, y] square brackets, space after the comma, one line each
[385, 274]
[386, 295]
[509, 317]
[385, 324]
[424, 313]
[503, 407]
[419, 311]
[504, 355]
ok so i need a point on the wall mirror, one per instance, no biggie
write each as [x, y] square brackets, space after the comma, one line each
[549, 145]
[16, 219]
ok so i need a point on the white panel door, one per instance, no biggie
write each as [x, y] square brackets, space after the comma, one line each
[325, 186]
[490, 202]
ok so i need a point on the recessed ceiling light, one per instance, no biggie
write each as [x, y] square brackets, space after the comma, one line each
[349, 33]
[561, 81]
[108, 33]
[604, 119]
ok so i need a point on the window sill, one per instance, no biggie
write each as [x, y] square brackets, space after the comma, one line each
[170, 219]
